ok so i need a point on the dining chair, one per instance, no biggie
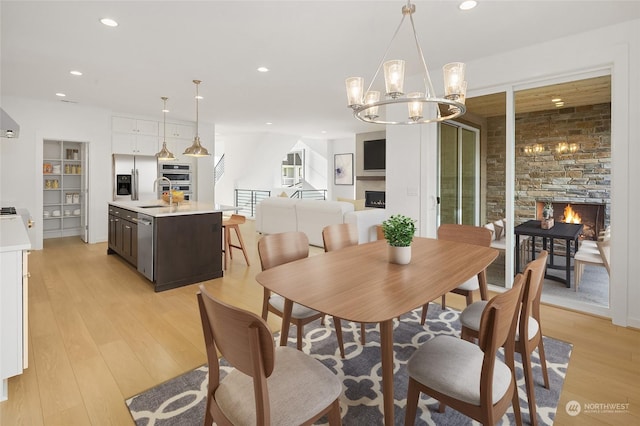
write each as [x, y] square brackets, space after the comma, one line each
[529, 325]
[228, 224]
[336, 237]
[280, 248]
[467, 377]
[590, 253]
[269, 384]
[469, 234]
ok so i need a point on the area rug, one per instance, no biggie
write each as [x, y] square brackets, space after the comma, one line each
[181, 401]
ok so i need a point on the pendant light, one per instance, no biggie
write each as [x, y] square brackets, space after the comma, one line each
[196, 150]
[165, 154]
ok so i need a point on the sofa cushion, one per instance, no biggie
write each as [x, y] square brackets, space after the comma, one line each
[366, 220]
[357, 204]
[275, 215]
[313, 215]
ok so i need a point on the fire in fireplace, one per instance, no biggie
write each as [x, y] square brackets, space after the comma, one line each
[591, 215]
[374, 199]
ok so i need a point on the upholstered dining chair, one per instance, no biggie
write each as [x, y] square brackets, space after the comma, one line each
[528, 325]
[590, 253]
[269, 385]
[277, 249]
[336, 237]
[471, 379]
[469, 234]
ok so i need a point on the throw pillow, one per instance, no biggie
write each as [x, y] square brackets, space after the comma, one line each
[490, 227]
[498, 225]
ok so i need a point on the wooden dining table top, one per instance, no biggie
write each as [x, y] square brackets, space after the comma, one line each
[359, 284]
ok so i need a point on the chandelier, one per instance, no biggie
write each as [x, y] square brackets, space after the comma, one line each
[165, 154]
[422, 106]
[196, 149]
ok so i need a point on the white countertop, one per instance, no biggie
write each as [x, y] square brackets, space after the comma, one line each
[159, 208]
[13, 234]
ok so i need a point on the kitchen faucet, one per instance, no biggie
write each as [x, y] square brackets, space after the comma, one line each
[155, 188]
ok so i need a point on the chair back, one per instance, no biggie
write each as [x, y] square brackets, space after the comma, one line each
[478, 235]
[239, 335]
[277, 249]
[534, 277]
[498, 320]
[604, 247]
[339, 235]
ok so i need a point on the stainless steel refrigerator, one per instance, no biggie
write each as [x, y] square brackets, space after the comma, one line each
[133, 177]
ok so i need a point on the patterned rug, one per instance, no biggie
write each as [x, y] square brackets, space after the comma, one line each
[181, 401]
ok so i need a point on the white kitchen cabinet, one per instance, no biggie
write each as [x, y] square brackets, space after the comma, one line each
[132, 136]
[135, 126]
[64, 189]
[179, 131]
[14, 245]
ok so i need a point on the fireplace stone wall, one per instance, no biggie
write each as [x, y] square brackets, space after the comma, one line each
[583, 176]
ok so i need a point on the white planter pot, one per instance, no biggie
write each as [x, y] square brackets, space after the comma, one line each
[400, 255]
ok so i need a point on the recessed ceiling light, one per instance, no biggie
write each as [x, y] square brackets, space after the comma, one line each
[198, 97]
[468, 5]
[109, 22]
[268, 123]
[62, 95]
[323, 131]
[263, 69]
[556, 100]
[75, 72]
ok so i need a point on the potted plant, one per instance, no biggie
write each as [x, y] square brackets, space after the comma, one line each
[399, 231]
[547, 211]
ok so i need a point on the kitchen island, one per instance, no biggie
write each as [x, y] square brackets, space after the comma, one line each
[172, 246]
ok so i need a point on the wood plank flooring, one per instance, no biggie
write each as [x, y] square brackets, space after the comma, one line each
[99, 334]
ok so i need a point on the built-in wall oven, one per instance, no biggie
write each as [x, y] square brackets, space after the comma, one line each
[180, 175]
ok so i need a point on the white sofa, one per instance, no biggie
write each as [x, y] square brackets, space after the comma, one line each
[280, 214]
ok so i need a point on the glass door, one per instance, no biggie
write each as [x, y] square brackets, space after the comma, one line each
[459, 174]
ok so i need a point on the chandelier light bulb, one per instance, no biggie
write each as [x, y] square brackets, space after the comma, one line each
[394, 78]
[354, 91]
[415, 108]
[371, 98]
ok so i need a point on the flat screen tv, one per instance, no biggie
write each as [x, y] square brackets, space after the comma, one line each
[374, 154]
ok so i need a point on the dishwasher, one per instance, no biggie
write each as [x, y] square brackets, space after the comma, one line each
[145, 245]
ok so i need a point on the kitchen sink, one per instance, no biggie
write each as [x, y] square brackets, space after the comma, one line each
[153, 206]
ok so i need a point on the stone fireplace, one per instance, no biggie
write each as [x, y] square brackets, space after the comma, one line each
[591, 215]
[374, 199]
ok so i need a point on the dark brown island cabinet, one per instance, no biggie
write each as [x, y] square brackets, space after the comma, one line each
[171, 247]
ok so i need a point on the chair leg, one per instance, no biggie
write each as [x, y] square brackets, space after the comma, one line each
[412, 403]
[241, 241]
[338, 325]
[423, 317]
[334, 414]
[528, 380]
[444, 302]
[469, 297]
[363, 337]
[543, 363]
[299, 331]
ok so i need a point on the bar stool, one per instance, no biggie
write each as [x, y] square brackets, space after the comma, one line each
[232, 223]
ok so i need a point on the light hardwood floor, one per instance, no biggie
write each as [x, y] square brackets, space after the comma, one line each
[99, 334]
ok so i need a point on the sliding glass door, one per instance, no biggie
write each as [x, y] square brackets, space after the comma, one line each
[459, 174]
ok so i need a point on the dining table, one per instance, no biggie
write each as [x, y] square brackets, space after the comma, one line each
[359, 284]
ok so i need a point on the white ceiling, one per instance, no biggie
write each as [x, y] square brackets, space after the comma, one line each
[309, 46]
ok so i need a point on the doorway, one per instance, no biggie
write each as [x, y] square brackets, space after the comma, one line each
[459, 174]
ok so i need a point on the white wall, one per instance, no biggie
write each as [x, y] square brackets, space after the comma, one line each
[616, 48]
[252, 161]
